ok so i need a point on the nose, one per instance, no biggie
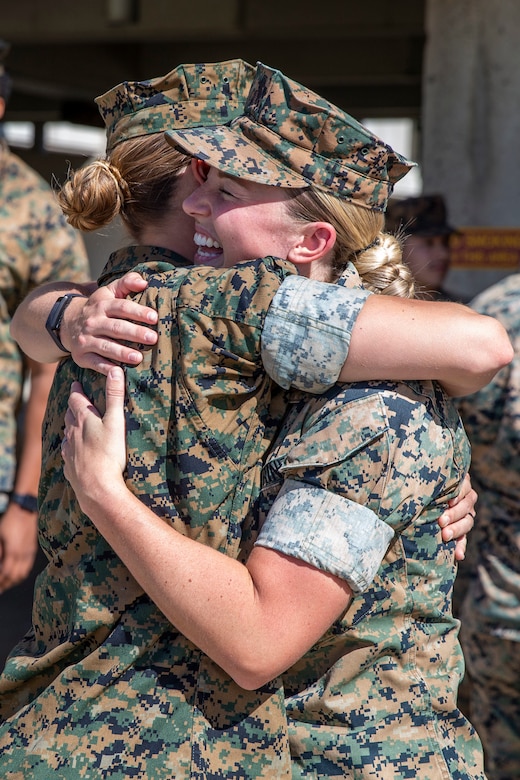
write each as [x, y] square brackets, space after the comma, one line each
[197, 204]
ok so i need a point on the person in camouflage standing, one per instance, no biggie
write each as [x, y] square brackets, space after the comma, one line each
[228, 726]
[490, 630]
[36, 246]
[348, 571]
[165, 708]
[423, 222]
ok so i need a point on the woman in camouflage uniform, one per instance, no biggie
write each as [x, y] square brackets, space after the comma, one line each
[190, 688]
[347, 592]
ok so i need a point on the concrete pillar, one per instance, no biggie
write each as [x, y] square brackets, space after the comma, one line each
[471, 115]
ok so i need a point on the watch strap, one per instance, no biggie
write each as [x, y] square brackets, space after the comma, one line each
[26, 501]
[55, 318]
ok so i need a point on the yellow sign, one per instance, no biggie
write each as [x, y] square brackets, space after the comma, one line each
[485, 248]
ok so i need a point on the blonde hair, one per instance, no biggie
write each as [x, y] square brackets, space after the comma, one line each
[377, 255]
[136, 180]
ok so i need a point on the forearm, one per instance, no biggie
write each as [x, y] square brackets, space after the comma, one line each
[236, 614]
[28, 323]
[403, 339]
[29, 460]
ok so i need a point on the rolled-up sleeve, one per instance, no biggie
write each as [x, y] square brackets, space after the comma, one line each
[327, 531]
[307, 332]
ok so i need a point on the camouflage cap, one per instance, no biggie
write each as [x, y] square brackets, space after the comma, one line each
[424, 215]
[190, 95]
[288, 136]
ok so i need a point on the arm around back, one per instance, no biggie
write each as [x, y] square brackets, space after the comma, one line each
[408, 339]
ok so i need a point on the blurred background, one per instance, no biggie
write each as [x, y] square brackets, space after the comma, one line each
[437, 79]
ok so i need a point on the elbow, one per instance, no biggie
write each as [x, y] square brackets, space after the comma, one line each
[497, 350]
[13, 329]
[252, 680]
[488, 350]
[255, 671]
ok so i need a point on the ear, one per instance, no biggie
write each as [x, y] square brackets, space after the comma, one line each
[200, 170]
[2, 108]
[317, 239]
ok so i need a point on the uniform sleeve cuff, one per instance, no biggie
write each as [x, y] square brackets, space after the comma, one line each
[327, 531]
[307, 330]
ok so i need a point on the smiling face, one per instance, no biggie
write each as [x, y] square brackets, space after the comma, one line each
[237, 220]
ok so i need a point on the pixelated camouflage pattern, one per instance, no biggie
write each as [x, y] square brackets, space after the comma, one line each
[351, 541]
[36, 245]
[195, 94]
[423, 215]
[376, 696]
[493, 665]
[490, 631]
[307, 331]
[288, 136]
[104, 686]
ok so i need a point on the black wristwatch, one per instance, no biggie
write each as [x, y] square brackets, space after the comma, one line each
[55, 318]
[26, 501]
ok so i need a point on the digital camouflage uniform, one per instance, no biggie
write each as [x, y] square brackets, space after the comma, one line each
[426, 218]
[359, 467]
[105, 686]
[141, 700]
[376, 697]
[490, 631]
[36, 245]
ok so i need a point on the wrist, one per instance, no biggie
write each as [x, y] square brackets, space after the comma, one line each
[26, 501]
[68, 321]
[95, 491]
[56, 316]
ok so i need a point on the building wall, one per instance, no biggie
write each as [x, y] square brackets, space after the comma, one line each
[471, 117]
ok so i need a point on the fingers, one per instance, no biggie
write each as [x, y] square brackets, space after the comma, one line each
[466, 493]
[18, 545]
[124, 310]
[113, 353]
[15, 570]
[115, 395]
[108, 328]
[108, 335]
[460, 548]
[78, 402]
[120, 288]
[129, 283]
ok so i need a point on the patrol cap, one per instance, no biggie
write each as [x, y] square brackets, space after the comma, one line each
[195, 94]
[424, 215]
[288, 136]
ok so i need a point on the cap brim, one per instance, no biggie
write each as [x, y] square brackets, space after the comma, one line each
[229, 151]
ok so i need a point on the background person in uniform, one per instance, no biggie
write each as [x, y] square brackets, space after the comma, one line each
[36, 245]
[422, 220]
[490, 629]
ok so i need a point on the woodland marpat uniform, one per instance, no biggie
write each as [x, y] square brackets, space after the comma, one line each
[127, 695]
[36, 245]
[105, 686]
[376, 697]
[490, 615]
